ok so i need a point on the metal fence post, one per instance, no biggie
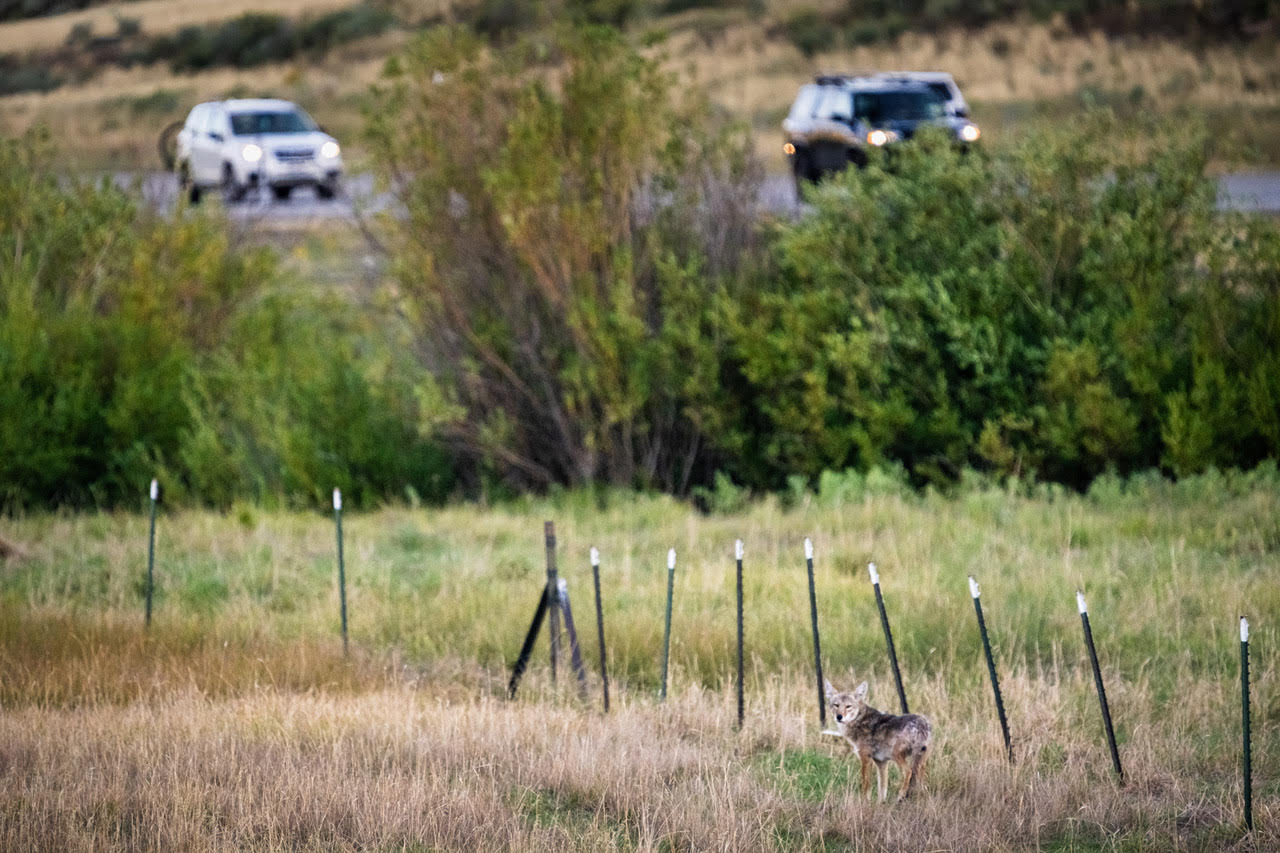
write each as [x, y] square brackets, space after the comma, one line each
[1097, 677]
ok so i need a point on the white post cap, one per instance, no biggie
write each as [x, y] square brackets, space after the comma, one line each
[562, 586]
[595, 556]
[1244, 630]
[671, 560]
[1080, 602]
[337, 499]
[875, 576]
[973, 587]
[737, 549]
[155, 489]
[808, 548]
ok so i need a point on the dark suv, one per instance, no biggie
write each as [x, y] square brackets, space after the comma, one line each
[836, 119]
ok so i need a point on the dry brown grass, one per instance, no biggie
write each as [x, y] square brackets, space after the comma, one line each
[236, 722]
[1011, 64]
[157, 17]
[450, 765]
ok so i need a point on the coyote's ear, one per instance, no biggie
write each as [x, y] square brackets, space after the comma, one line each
[831, 691]
[861, 692]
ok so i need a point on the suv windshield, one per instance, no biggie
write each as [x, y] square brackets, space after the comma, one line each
[900, 106]
[248, 124]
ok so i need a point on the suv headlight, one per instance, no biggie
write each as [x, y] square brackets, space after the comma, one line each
[970, 133]
[881, 137]
[251, 153]
[330, 150]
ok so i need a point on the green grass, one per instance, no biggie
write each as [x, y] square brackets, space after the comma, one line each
[245, 650]
[1166, 570]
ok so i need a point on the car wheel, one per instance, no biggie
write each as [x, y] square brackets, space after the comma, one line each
[803, 170]
[281, 193]
[326, 191]
[232, 191]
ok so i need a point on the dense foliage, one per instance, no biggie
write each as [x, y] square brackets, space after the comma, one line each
[133, 346]
[586, 293]
[244, 41]
[1068, 306]
[562, 233]
[256, 38]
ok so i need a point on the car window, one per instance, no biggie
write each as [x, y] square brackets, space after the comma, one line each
[942, 90]
[805, 102]
[270, 121]
[835, 102]
[899, 106]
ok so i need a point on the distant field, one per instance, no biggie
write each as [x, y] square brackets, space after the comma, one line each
[1010, 72]
[237, 723]
[155, 16]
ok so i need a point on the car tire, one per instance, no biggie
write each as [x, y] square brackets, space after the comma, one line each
[232, 191]
[326, 191]
[802, 171]
[281, 193]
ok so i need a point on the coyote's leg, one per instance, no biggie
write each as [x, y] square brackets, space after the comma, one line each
[907, 766]
[866, 780]
[917, 776]
[882, 777]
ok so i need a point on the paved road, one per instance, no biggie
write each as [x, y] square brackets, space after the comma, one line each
[357, 197]
[1253, 192]
[1257, 192]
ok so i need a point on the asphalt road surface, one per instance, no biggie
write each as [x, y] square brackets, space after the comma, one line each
[1256, 192]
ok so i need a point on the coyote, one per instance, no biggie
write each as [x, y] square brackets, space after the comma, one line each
[879, 737]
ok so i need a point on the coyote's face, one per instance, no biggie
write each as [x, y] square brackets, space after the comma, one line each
[845, 707]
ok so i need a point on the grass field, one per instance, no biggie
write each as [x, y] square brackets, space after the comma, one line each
[236, 722]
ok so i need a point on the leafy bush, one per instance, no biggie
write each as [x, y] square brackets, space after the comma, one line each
[810, 31]
[101, 321]
[310, 396]
[132, 346]
[558, 250]
[1071, 306]
[256, 38]
[17, 76]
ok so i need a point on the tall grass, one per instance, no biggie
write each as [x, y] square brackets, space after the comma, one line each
[236, 722]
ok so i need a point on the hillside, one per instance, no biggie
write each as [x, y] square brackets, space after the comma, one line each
[748, 57]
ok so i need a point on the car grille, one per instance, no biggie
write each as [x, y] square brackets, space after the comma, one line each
[295, 155]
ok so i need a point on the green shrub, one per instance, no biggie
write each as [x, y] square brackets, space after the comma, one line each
[133, 346]
[810, 31]
[103, 315]
[17, 76]
[559, 248]
[256, 38]
[1070, 306]
[309, 396]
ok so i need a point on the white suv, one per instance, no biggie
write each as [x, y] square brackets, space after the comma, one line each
[245, 144]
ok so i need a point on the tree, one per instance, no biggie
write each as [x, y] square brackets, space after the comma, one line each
[567, 226]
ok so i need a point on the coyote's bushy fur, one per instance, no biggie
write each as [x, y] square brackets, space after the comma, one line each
[880, 737]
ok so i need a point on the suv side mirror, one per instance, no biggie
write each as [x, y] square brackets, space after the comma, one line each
[841, 118]
[215, 136]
